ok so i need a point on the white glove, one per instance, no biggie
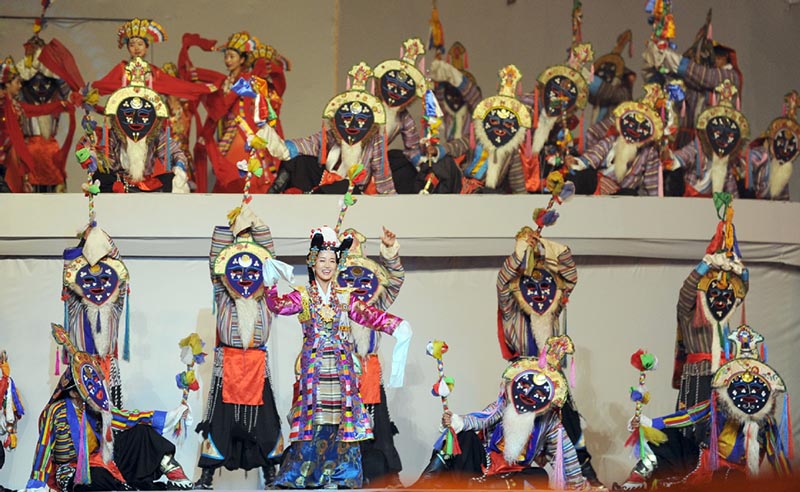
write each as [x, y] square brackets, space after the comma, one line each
[457, 423]
[644, 421]
[442, 71]
[672, 59]
[245, 220]
[402, 335]
[275, 270]
[721, 262]
[273, 142]
[653, 56]
[174, 416]
[576, 163]
[180, 181]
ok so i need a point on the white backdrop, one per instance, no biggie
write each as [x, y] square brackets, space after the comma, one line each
[618, 306]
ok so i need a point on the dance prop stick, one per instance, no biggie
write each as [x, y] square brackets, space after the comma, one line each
[191, 355]
[642, 434]
[432, 115]
[447, 444]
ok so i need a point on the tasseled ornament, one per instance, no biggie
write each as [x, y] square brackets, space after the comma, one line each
[542, 358]
[713, 445]
[105, 135]
[385, 143]
[787, 437]
[572, 372]
[764, 355]
[653, 435]
[323, 151]
[726, 344]
[752, 448]
[166, 150]
[347, 84]
[58, 362]
[559, 481]
[82, 472]
[126, 347]
[583, 133]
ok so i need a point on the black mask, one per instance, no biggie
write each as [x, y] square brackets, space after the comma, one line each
[353, 121]
[39, 89]
[136, 117]
[397, 88]
[723, 135]
[560, 94]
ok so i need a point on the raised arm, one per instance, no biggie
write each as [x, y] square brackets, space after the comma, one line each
[285, 305]
[390, 259]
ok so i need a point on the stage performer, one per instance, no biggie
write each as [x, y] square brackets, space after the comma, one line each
[137, 35]
[704, 66]
[181, 114]
[95, 293]
[628, 161]
[328, 417]
[86, 443]
[41, 86]
[11, 410]
[139, 154]
[232, 114]
[241, 427]
[712, 159]
[509, 442]
[533, 288]
[457, 92]
[707, 301]
[353, 134]
[377, 284]
[16, 161]
[770, 158]
[740, 411]
[613, 80]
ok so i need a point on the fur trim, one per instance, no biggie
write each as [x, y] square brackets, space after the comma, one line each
[246, 315]
[392, 119]
[107, 444]
[133, 158]
[621, 155]
[103, 335]
[719, 172]
[544, 326]
[517, 430]
[779, 174]
[751, 443]
[498, 160]
[542, 132]
[351, 155]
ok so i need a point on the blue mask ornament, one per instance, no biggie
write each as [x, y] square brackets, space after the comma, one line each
[98, 283]
[243, 274]
[538, 290]
[397, 88]
[363, 280]
[353, 121]
[531, 391]
[501, 125]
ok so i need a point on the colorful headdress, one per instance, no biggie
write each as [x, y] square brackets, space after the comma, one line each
[783, 133]
[612, 65]
[563, 88]
[458, 57]
[355, 113]
[366, 277]
[137, 109]
[506, 99]
[747, 390]
[538, 384]
[641, 121]
[8, 70]
[242, 43]
[401, 79]
[721, 128]
[325, 239]
[149, 30]
[241, 266]
[267, 52]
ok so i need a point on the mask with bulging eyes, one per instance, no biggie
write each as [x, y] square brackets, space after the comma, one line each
[452, 97]
[243, 273]
[500, 125]
[531, 391]
[538, 290]
[606, 71]
[749, 392]
[720, 301]
[723, 135]
[635, 127]
[785, 145]
[98, 283]
[362, 280]
[136, 117]
[39, 88]
[353, 121]
[397, 88]
[560, 94]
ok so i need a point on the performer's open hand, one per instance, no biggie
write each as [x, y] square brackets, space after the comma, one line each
[526, 237]
[388, 237]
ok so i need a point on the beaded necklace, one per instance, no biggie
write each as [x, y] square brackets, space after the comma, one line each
[327, 312]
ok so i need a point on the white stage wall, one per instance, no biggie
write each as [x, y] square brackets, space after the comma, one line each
[625, 299]
[324, 38]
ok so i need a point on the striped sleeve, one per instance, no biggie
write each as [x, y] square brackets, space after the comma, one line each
[598, 131]
[125, 419]
[684, 418]
[572, 467]
[471, 93]
[505, 298]
[486, 418]
[311, 145]
[397, 276]
[176, 155]
[706, 78]
[411, 138]
[263, 236]
[42, 456]
[220, 238]
[595, 156]
[567, 269]
[456, 147]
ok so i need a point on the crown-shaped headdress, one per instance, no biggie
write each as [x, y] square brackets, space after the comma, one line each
[149, 30]
[412, 50]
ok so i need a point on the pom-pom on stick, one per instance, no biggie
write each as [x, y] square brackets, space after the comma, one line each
[191, 354]
[447, 443]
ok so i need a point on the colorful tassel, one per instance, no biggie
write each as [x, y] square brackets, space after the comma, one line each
[82, 472]
[166, 151]
[323, 151]
[572, 372]
[558, 469]
[536, 107]
[58, 362]
[542, 358]
[126, 348]
[713, 445]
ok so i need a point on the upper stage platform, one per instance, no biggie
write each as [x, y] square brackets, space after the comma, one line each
[429, 226]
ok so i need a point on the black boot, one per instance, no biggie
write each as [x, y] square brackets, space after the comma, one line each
[587, 470]
[206, 481]
[269, 475]
[281, 181]
[439, 463]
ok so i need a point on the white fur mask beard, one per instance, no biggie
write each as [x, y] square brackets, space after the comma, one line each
[246, 314]
[719, 171]
[542, 325]
[624, 153]
[460, 118]
[101, 335]
[391, 119]
[45, 125]
[779, 174]
[133, 158]
[546, 124]
[517, 429]
[498, 160]
[361, 336]
[351, 155]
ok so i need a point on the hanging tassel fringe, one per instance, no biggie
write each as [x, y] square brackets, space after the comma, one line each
[558, 469]
[713, 445]
[82, 473]
[126, 347]
[572, 372]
